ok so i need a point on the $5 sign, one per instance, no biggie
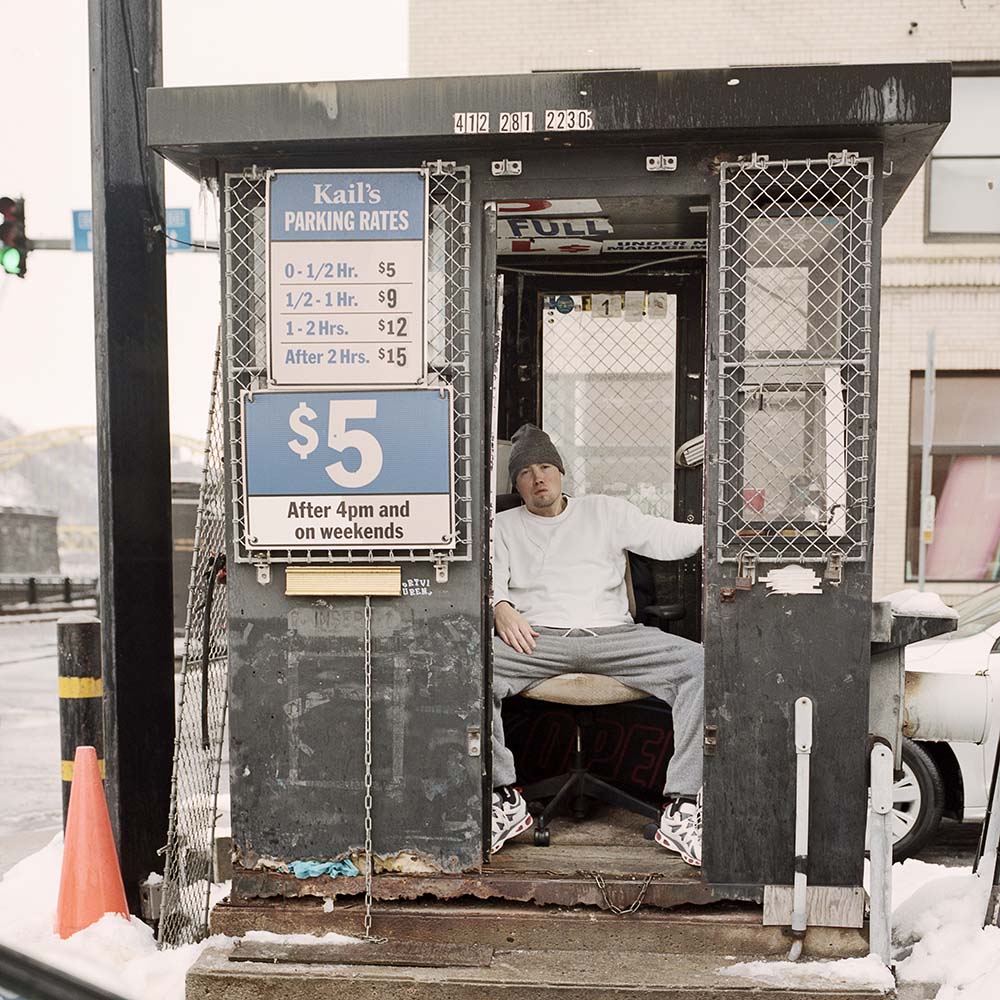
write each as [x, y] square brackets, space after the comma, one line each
[339, 438]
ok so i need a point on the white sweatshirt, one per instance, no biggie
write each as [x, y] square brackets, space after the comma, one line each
[568, 571]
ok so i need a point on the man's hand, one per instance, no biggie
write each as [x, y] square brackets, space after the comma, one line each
[513, 628]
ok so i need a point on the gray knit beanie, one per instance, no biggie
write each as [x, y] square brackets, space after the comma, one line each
[530, 445]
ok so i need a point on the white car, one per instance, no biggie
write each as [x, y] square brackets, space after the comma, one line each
[951, 778]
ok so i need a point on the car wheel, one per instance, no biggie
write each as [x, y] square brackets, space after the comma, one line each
[917, 801]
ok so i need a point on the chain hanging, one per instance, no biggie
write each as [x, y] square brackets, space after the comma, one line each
[622, 911]
[368, 767]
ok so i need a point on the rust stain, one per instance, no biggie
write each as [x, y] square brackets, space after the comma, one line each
[529, 887]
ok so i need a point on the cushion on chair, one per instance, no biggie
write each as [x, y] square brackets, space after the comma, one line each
[583, 689]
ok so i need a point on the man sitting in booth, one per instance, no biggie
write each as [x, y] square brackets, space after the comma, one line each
[561, 606]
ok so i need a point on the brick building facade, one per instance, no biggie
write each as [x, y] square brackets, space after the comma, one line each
[946, 282]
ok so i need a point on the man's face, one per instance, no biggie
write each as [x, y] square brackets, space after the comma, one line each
[540, 487]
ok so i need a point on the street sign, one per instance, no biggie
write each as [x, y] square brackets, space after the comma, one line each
[364, 469]
[346, 259]
[178, 227]
[83, 229]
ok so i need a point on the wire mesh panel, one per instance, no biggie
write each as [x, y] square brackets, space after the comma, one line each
[794, 358]
[447, 323]
[201, 718]
[608, 395]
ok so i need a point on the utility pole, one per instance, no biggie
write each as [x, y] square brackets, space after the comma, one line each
[133, 449]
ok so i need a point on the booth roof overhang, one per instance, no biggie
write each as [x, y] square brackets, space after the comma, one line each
[906, 107]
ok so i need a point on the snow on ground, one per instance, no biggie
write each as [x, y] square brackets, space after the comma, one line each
[117, 954]
[936, 929]
[939, 938]
[868, 972]
[937, 912]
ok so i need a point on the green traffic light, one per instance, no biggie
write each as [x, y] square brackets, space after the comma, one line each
[10, 260]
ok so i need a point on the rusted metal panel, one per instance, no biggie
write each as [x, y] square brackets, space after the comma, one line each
[421, 954]
[525, 887]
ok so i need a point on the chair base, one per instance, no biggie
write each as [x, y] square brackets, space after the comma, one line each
[575, 787]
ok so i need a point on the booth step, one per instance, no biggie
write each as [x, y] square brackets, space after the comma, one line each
[221, 974]
[716, 929]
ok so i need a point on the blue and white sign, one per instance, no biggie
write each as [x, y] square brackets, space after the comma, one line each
[346, 258]
[368, 469]
[178, 226]
[83, 230]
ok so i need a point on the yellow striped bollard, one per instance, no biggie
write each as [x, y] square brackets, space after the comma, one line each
[81, 703]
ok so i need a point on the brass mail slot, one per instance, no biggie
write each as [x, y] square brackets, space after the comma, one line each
[343, 581]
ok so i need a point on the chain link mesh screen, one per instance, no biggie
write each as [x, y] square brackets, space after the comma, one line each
[608, 395]
[794, 358]
[200, 741]
[447, 320]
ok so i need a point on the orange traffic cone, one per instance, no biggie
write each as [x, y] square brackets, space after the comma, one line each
[91, 881]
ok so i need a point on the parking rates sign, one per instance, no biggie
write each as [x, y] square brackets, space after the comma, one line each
[346, 264]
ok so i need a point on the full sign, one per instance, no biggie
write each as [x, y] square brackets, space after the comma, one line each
[348, 470]
[346, 253]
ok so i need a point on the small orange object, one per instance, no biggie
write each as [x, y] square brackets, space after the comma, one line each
[91, 881]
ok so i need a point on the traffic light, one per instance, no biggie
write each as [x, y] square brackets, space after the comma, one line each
[14, 243]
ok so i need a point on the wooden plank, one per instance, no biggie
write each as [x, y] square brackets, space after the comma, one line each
[612, 861]
[417, 954]
[826, 905]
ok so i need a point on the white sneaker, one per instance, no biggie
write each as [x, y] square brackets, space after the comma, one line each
[680, 828]
[510, 816]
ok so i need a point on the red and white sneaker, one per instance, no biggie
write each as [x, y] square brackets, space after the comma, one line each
[680, 828]
[510, 815]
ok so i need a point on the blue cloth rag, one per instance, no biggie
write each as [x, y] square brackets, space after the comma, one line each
[313, 869]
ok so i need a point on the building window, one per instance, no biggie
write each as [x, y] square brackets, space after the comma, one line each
[964, 170]
[965, 477]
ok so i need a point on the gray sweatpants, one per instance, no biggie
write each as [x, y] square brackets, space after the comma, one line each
[666, 666]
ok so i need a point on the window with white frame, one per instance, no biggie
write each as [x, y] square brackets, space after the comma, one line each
[965, 477]
[964, 169]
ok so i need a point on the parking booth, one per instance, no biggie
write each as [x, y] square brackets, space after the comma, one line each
[411, 269]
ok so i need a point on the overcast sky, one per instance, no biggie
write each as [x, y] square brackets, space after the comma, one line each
[46, 320]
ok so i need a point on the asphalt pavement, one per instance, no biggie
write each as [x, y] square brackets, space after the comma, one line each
[30, 781]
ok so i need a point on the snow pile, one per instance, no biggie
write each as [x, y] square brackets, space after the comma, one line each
[919, 604]
[272, 938]
[117, 954]
[859, 973]
[938, 931]
[937, 935]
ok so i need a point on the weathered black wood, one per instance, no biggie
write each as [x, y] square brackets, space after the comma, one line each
[297, 694]
[904, 104]
[133, 433]
[763, 651]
